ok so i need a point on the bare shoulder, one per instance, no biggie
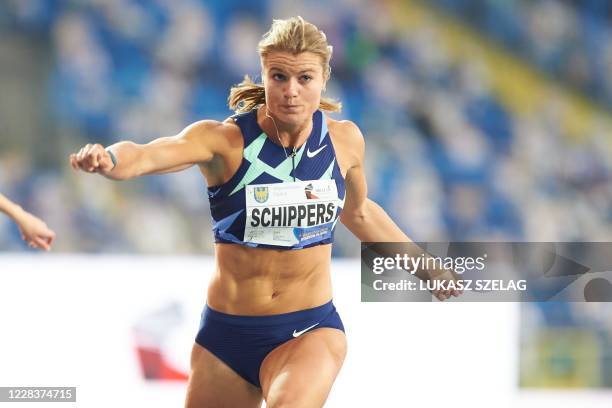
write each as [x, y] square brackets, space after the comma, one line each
[208, 127]
[348, 141]
[217, 135]
[346, 131]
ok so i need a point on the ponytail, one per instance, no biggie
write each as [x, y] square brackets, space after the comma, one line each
[246, 95]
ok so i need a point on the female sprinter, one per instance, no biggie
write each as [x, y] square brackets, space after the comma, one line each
[280, 175]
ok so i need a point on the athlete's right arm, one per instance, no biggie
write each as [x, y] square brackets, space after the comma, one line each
[195, 144]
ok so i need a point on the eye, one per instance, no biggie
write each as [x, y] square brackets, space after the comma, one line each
[306, 78]
[278, 77]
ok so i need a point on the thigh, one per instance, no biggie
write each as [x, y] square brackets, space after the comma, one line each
[213, 384]
[300, 373]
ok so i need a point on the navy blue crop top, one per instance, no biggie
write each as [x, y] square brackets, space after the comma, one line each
[274, 201]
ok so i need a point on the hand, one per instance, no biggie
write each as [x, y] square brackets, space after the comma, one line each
[34, 231]
[450, 285]
[92, 158]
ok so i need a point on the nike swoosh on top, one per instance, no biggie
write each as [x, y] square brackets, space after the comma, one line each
[297, 334]
[313, 154]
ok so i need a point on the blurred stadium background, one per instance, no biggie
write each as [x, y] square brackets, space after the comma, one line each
[484, 120]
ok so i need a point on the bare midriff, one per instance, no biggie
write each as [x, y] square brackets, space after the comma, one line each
[257, 281]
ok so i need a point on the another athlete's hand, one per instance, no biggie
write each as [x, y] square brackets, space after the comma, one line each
[449, 284]
[92, 158]
[34, 230]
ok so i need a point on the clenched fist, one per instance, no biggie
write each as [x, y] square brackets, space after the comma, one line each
[92, 158]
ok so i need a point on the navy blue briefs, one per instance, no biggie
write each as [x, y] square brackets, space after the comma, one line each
[242, 342]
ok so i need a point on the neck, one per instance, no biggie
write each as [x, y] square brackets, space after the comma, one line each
[290, 135]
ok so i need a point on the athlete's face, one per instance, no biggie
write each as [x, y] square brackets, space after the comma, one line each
[293, 85]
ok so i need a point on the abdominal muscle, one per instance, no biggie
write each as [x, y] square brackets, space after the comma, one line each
[258, 281]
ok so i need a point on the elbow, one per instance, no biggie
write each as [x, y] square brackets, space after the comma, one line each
[359, 217]
[353, 218]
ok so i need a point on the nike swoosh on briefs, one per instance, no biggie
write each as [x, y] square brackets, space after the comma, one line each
[297, 334]
[313, 154]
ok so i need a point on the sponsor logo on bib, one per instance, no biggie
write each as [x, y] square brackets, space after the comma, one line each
[309, 193]
[261, 194]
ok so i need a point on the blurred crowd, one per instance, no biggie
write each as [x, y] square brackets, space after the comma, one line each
[569, 39]
[445, 157]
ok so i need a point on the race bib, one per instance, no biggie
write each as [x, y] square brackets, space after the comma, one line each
[288, 214]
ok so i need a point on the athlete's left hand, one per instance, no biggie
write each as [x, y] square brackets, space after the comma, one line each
[447, 280]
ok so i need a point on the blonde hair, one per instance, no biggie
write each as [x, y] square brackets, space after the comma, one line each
[294, 35]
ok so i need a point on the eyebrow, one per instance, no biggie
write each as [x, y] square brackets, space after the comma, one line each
[300, 72]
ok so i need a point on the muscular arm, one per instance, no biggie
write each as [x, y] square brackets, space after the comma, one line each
[197, 143]
[362, 216]
[368, 221]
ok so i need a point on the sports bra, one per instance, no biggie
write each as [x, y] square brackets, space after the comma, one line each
[274, 201]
